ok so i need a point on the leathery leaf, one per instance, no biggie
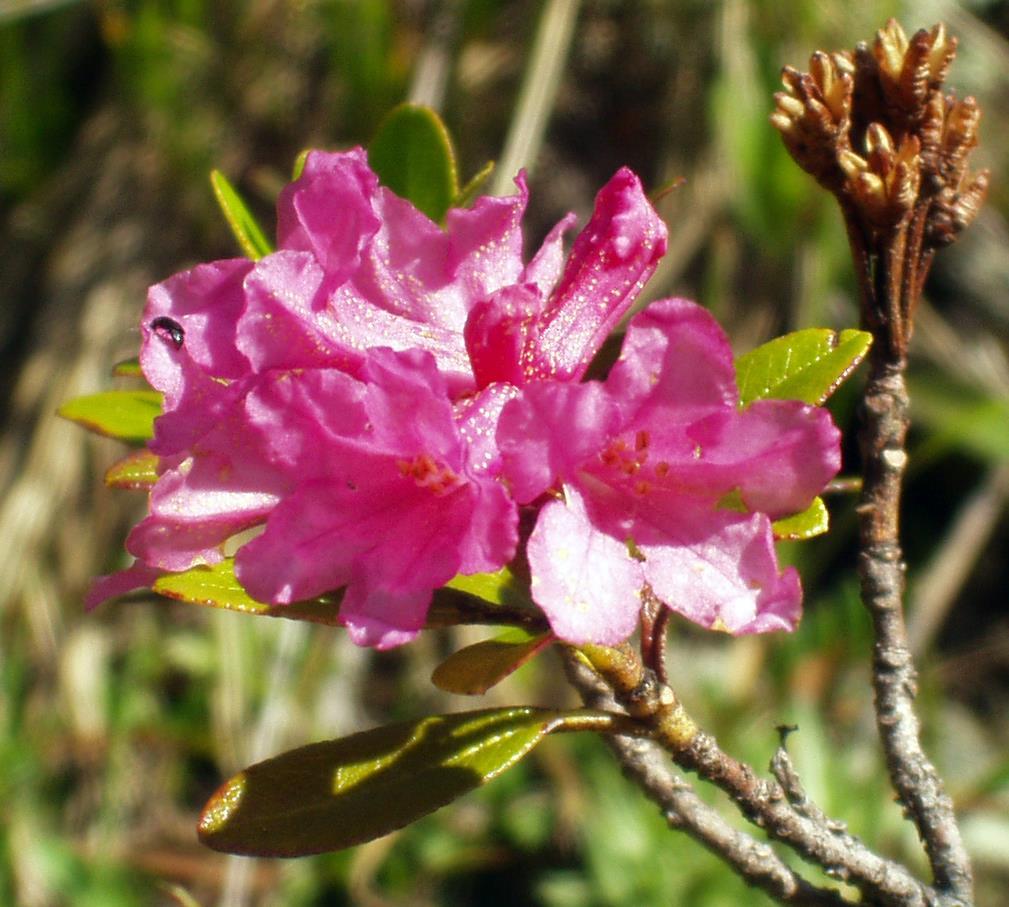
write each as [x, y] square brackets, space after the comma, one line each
[335, 794]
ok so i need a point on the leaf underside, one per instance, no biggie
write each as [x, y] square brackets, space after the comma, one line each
[472, 671]
[138, 470]
[813, 521]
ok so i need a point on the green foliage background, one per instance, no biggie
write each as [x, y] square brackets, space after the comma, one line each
[115, 727]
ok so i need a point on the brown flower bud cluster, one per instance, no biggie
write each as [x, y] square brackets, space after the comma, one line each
[873, 126]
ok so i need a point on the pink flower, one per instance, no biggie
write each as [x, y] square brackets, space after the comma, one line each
[386, 499]
[286, 407]
[647, 473]
[360, 267]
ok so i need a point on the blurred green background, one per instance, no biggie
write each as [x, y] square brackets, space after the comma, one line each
[115, 727]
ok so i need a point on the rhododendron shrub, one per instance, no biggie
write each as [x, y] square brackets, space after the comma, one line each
[390, 423]
[393, 412]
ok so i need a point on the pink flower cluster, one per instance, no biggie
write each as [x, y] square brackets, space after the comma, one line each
[380, 398]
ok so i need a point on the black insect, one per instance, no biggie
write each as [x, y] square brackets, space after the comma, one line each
[168, 326]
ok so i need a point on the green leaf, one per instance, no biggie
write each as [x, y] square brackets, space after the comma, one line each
[331, 795]
[412, 155]
[128, 368]
[468, 193]
[217, 587]
[474, 670]
[805, 365]
[813, 521]
[299, 164]
[139, 470]
[127, 415]
[500, 588]
[250, 236]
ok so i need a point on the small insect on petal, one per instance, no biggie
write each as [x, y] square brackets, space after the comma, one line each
[168, 326]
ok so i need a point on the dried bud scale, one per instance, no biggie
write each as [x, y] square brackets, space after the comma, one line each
[874, 128]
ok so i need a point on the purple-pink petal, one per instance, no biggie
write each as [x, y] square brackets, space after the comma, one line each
[389, 509]
[675, 366]
[408, 406]
[137, 576]
[477, 417]
[205, 303]
[287, 321]
[716, 567]
[383, 618]
[550, 431]
[611, 261]
[779, 454]
[499, 331]
[651, 457]
[584, 579]
[329, 211]
[547, 265]
[197, 506]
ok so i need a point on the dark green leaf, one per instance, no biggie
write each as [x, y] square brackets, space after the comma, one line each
[137, 471]
[474, 670]
[217, 587]
[412, 155]
[250, 236]
[813, 521]
[127, 415]
[327, 796]
[805, 365]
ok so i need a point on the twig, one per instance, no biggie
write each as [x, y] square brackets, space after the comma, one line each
[881, 570]
[765, 803]
[644, 763]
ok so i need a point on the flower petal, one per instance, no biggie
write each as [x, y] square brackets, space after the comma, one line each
[433, 277]
[287, 322]
[549, 431]
[198, 506]
[383, 618]
[611, 261]
[477, 418]
[717, 568]
[408, 406]
[390, 535]
[205, 303]
[584, 580]
[499, 331]
[137, 576]
[779, 453]
[329, 211]
[675, 366]
[547, 264]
